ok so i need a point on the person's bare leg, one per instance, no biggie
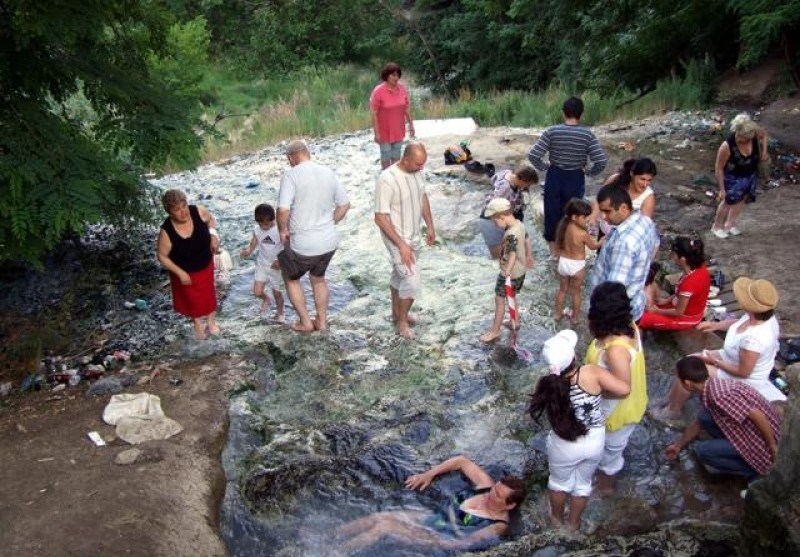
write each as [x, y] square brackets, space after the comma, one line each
[733, 214]
[260, 293]
[677, 397]
[199, 328]
[211, 320]
[280, 306]
[401, 526]
[605, 484]
[576, 507]
[721, 216]
[319, 286]
[575, 287]
[558, 500]
[403, 325]
[298, 300]
[499, 310]
[561, 295]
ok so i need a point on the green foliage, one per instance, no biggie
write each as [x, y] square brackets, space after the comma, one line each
[91, 97]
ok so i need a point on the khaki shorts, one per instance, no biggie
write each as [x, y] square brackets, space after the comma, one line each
[406, 281]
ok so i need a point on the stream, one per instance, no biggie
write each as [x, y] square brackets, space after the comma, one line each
[335, 422]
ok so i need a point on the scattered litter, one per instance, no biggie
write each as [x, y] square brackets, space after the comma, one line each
[48, 459]
[96, 439]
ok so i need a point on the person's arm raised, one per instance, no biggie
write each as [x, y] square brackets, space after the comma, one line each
[472, 471]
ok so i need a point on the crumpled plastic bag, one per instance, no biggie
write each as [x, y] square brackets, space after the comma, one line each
[139, 418]
[139, 404]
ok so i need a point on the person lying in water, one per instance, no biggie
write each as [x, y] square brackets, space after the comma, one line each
[472, 518]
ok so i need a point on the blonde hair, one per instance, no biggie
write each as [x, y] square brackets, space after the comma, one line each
[172, 198]
[744, 126]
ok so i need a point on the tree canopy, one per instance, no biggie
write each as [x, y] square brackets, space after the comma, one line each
[93, 93]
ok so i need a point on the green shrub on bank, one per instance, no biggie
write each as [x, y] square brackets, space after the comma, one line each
[318, 101]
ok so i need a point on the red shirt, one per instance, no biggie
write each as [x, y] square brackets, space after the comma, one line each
[391, 106]
[729, 402]
[695, 285]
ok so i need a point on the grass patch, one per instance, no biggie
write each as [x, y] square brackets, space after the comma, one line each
[318, 101]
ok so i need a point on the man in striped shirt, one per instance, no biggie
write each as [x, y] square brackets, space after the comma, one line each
[628, 250]
[400, 204]
[745, 430]
[569, 145]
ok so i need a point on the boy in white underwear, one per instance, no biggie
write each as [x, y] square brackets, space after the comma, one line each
[266, 239]
[572, 239]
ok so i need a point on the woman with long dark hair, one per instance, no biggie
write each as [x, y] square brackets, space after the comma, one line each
[686, 308]
[570, 396]
[617, 347]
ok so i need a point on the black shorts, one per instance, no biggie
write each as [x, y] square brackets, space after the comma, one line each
[294, 265]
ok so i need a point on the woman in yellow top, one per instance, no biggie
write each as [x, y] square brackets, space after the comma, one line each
[617, 347]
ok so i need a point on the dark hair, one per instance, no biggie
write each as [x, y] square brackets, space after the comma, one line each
[264, 211]
[389, 69]
[526, 173]
[573, 108]
[691, 249]
[655, 268]
[610, 311]
[643, 166]
[551, 397]
[764, 315]
[616, 195]
[691, 368]
[518, 489]
[623, 174]
[574, 206]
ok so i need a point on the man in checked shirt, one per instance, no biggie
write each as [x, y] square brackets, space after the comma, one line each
[744, 428]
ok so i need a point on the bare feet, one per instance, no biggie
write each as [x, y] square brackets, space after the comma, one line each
[320, 324]
[300, 327]
[490, 336]
[404, 330]
[412, 319]
[509, 325]
[279, 318]
[213, 329]
[200, 332]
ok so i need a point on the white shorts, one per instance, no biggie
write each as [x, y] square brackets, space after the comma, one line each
[570, 267]
[615, 443]
[406, 281]
[573, 463]
[270, 277]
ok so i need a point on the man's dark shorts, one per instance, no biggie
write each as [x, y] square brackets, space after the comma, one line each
[294, 265]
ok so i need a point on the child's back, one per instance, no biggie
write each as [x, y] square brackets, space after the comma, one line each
[575, 240]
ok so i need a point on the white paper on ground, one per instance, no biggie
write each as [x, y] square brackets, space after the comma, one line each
[96, 439]
[448, 126]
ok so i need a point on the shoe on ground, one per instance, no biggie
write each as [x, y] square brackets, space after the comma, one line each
[733, 231]
[719, 233]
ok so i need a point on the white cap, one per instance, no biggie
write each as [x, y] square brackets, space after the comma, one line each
[497, 205]
[559, 351]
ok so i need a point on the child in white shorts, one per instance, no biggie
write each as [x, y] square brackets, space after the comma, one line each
[266, 239]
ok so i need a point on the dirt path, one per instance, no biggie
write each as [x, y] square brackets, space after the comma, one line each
[64, 496]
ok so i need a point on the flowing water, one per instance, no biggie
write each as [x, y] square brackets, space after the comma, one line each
[337, 421]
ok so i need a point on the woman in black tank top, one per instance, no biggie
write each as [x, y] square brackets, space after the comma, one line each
[736, 171]
[186, 245]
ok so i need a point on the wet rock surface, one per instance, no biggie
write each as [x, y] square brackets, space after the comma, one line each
[325, 427]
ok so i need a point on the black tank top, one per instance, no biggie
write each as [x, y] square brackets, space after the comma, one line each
[191, 254]
[738, 164]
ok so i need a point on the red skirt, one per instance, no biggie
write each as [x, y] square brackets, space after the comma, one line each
[197, 299]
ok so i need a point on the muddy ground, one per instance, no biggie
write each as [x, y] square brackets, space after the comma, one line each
[63, 496]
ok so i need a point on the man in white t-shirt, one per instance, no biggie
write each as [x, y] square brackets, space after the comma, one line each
[400, 204]
[311, 202]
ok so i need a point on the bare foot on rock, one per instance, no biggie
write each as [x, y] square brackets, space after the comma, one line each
[490, 336]
[404, 330]
[300, 327]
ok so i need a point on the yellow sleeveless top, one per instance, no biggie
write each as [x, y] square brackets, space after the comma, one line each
[630, 409]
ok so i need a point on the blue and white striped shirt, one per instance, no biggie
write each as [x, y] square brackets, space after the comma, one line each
[569, 147]
[626, 257]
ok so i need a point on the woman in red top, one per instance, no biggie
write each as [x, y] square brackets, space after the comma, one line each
[686, 307]
[391, 108]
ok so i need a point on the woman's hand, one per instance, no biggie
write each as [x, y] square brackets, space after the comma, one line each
[184, 277]
[419, 481]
